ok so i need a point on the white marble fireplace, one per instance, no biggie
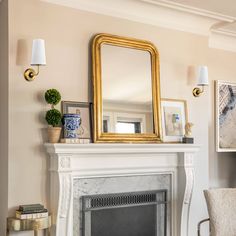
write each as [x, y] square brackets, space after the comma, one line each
[80, 169]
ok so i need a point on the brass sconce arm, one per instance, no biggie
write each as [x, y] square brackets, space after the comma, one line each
[198, 91]
[30, 73]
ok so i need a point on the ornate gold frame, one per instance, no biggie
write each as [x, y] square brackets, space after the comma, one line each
[100, 137]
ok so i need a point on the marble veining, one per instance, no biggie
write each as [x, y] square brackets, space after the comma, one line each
[118, 184]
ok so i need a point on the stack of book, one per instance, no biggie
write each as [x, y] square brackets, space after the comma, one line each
[76, 140]
[32, 211]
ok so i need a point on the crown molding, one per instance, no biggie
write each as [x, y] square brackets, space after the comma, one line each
[166, 14]
[223, 39]
[224, 32]
[158, 14]
[192, 10]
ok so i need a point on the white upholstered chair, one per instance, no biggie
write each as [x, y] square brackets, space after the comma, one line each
[221, 204]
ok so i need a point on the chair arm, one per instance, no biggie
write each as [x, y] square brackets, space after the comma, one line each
[199, 226]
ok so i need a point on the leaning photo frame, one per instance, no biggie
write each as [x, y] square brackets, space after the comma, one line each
[84, 109]
[174, 119]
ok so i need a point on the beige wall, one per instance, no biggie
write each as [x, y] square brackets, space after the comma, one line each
[3, 114]
[67, 33]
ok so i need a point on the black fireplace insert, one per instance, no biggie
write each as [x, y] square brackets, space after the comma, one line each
[125, 214]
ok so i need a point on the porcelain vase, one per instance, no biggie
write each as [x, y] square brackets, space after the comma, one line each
[71, 124]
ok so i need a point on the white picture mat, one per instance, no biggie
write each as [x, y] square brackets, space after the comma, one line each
[85, 119]
[181, 105]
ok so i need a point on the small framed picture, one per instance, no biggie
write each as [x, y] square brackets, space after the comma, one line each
[174, 119]
[84, 109]
[225, 116]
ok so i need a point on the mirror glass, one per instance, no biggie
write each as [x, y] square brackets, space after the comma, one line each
[126, 90]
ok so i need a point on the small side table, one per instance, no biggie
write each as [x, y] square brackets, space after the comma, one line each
[14, 224]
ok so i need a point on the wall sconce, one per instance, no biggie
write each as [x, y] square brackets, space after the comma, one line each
[38, 59]
[202, 80]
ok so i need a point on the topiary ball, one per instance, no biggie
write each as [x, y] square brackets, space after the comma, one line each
[52, 96]
[53, 117]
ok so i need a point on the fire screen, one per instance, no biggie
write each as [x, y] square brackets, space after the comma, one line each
[125, 214]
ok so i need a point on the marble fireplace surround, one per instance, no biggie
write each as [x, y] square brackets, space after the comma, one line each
[79, 161]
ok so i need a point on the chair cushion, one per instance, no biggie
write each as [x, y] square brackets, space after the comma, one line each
[221, 204]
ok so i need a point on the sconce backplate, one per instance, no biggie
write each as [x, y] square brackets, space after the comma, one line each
[196, 92]
[30, 74]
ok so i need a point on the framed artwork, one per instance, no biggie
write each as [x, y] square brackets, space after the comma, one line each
[84, 109]
[225, 116]
[174, 118]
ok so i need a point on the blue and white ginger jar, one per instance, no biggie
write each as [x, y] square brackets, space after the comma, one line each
[71, 124]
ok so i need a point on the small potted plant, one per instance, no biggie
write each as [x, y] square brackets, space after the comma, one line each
[53, 116]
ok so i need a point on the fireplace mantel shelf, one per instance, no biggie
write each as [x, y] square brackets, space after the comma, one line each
[118, 148]
[72, 161]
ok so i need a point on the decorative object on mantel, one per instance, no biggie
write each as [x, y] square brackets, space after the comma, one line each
[126, 80]
[188, 133]
[225, 116]
[202, 80]
[76, 140]
[174, 118]
[53, 116]
[71, 123]
[77, 122]
[38, 59]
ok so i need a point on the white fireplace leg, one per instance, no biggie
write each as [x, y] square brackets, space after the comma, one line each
[186, 180]
[62, 186]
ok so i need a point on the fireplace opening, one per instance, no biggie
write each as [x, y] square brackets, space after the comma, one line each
[125, 214]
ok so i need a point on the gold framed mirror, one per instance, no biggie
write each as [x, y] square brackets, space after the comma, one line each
[126, 90]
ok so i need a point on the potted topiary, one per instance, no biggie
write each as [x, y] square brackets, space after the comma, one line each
[53, 116]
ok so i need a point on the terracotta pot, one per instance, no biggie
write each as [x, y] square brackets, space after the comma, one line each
[54, 134]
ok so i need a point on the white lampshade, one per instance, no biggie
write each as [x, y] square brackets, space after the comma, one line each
[38, 52]
[202, 78]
